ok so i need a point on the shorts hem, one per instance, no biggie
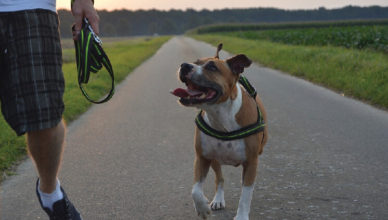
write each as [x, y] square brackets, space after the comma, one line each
[38, 127]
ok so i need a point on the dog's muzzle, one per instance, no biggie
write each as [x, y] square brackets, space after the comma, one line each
[184, 71]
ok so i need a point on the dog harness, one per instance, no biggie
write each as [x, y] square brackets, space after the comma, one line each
[90, 57]
[240, 133]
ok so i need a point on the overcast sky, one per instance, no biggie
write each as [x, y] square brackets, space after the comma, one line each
[219, 4]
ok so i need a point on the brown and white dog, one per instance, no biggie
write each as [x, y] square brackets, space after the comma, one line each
[212, 86]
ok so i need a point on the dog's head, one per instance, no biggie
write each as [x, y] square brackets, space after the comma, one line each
[210, 80]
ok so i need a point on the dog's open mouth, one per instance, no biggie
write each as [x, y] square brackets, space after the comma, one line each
[195, 94]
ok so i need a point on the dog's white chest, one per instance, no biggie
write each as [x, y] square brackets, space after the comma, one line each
[225, 152]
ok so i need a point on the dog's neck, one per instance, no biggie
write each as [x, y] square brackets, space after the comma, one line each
[222, 116]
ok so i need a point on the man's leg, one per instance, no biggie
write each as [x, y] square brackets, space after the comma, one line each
[31, 93]
[46, 147]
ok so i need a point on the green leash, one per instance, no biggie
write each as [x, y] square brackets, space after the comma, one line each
[90, 57]
[237, 134]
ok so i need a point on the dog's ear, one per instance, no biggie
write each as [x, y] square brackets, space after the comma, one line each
[219, 48]
[238, 63]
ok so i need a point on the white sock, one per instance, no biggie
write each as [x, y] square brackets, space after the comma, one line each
[48, 199]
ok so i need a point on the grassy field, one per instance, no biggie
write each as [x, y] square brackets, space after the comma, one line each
[362, 74]
[125, 55]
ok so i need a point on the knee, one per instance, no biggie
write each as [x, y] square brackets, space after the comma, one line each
[47, 135]
[59, 128]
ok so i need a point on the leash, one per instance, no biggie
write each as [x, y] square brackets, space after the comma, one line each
[246, 131]
[90, 57]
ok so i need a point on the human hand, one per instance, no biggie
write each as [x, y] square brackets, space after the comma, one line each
[84, 9]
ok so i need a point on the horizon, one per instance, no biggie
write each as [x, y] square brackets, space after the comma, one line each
[163, 5]
[226, 8]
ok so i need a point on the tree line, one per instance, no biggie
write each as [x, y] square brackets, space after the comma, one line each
[149, 22]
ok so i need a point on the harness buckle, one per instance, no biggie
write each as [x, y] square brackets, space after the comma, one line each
[96, 38]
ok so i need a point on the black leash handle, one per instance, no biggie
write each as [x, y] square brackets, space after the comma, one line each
[90, 57]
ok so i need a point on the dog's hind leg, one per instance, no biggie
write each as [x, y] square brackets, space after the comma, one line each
[218, 200]
[201, 168]
[249, 175]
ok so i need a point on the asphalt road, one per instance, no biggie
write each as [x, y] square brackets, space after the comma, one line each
[327, 156]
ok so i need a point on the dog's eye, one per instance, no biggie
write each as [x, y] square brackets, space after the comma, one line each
[211, 67]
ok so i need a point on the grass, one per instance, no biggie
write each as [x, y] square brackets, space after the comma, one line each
[362, 74]
[125, 55]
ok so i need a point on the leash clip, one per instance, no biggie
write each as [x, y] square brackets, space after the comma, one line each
[96, 38]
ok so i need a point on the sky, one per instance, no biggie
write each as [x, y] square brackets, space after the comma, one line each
[220, 4]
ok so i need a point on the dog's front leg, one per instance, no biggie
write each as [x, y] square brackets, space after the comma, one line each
[244, 205]
[218, 202]
[201, 168]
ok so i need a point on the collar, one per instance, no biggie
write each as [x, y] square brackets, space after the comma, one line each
[236, 134]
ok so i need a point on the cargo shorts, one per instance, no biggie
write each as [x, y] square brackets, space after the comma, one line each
[31, 78]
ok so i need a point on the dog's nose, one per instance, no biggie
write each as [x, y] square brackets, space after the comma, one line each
[184, 71]
[186, 68]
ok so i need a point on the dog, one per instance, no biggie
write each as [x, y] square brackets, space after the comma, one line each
[226, 106]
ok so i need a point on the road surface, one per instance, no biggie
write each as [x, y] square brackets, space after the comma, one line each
[327, 155]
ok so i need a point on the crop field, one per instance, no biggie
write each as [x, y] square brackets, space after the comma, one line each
[348, 57]
[358, 37]
[216, 28]
[351, 34]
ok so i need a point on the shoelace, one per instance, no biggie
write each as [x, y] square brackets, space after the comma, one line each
[90, 57]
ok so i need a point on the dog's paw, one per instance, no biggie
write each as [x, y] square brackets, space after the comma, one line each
[201, 203]
[203, 209]
[218, 203]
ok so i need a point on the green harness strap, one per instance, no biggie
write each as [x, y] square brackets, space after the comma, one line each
[90, 57]
[250, 89]
[237, 134]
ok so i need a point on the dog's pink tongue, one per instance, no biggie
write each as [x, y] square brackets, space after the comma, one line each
[180, 92]
[184, 93]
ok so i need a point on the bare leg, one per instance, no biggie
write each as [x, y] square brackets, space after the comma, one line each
[46, 147]
[201, 168]
[218, 200]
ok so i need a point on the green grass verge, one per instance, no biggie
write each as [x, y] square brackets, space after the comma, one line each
[124, 56]
[360, 74]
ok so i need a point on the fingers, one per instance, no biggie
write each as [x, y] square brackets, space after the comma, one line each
[94, 21]
[84, 9]
[77, 26]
